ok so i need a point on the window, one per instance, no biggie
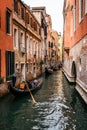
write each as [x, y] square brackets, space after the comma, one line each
[37, 49]
[8, 22]
[0, 62]
[27, 67]
[9, 63]
[0, 18]
[85, 6]
[31, 47]
[22, 38]
[22, 13]
[27, 44]
[45, 30]
[22, 43]
[49, 44]
[31, 22]
[35, 26]
[42, 23]
[34, 48]
[16, 6]
[58, 44]
[74, 15]
[15, 37]
[27, 18]
[80, 10]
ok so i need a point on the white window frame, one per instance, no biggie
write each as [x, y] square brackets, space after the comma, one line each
[27, 44]
[34, 47]
[31, 47]
[10, 22]
[37, 49]
[22, 38]
[85, 6]
[74, 15]
[80, 11]
[15, 38]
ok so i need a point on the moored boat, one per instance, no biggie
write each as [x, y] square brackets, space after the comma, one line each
[22, 89]
[48, 71]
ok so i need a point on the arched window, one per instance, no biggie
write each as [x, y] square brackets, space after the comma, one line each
[73, 71]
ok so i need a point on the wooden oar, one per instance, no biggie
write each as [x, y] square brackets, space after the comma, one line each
[26, 82]
[30, 93]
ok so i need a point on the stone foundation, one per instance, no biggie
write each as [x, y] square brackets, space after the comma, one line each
[82, 89]
[3, 89]
[70, 78]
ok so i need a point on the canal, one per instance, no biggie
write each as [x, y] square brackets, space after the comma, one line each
[59, 107]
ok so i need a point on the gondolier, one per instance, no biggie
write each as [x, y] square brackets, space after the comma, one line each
[17, 77]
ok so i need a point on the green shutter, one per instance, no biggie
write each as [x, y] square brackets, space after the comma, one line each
[7, 65]
[0, 63]
[12, 63]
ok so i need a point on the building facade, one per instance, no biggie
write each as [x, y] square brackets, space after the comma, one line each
[51, 44]
[54, 48]
[49, 40]
[26, 39]
[40, 14]
[60, 47]
[75, 44]
[6, 40]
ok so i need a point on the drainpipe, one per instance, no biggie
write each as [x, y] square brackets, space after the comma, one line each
[25, 54]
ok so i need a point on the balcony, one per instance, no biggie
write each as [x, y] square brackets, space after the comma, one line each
[22, 48]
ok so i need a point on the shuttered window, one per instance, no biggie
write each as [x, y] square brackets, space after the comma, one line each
[0, 63]
[8, 22]
[9, 63]
[42, 23]
[45, 31]
[16, 6]
[74, 16]
[22, 13]
[85, 6]
[0, 18]
[27, 18]
[81, 7]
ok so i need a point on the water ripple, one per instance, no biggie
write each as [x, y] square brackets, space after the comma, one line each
[53, 110]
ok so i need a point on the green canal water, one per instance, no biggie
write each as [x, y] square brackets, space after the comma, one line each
[59, 107]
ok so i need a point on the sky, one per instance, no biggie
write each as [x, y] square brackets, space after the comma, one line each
[54, 9]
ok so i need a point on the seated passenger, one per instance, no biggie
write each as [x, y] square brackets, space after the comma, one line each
[35, 81]
[34, 84]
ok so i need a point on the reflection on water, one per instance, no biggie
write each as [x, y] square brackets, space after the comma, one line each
[57, 108]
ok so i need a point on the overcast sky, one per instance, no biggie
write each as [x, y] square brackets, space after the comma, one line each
[53, 8]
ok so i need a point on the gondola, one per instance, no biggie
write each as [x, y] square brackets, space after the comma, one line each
[22, 90]
[48, 71]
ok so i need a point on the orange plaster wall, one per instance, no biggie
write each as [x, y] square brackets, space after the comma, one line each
[6, 40]
[81, 27]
